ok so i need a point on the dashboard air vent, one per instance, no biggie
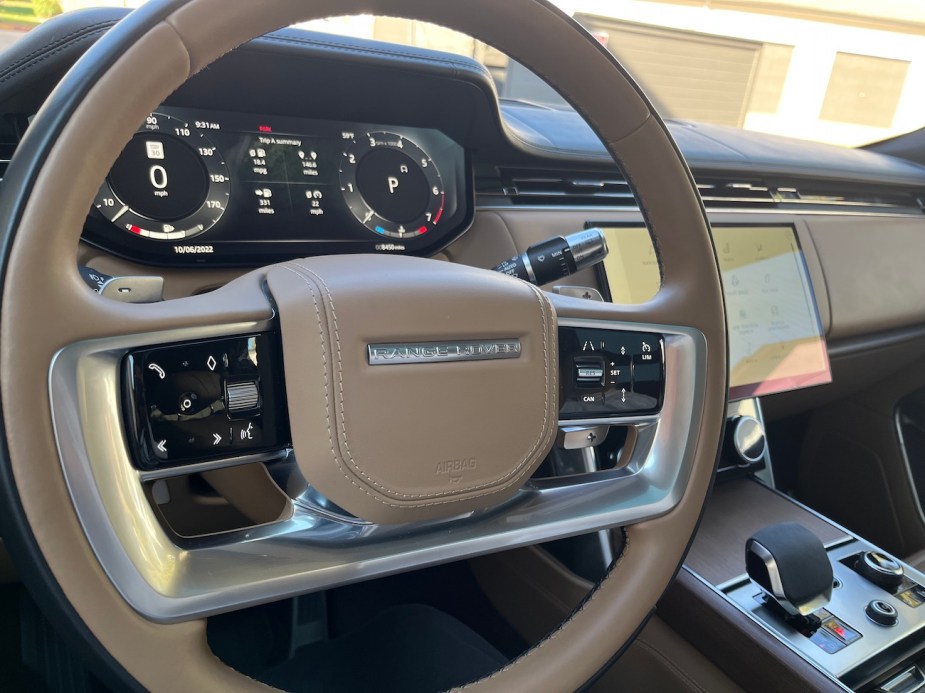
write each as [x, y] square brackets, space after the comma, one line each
[549, 187]
[536, 187]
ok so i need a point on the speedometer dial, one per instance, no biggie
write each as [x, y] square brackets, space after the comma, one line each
[169, 182]
[391, 185]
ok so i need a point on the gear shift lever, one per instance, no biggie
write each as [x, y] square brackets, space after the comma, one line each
[791, 565]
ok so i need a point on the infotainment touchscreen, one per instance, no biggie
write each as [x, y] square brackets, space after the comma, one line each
[775, 336]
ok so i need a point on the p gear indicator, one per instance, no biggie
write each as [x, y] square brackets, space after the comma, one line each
[391, 185]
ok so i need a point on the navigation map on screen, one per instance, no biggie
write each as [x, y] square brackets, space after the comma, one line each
[775, 335]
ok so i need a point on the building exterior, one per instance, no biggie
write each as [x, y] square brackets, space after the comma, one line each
[845, 72]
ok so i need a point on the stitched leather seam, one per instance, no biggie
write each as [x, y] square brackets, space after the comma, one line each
[492, 486]
[595, 593]
[327, 397]
[29, 61]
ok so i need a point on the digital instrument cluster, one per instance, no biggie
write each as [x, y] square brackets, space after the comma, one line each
[238, 189]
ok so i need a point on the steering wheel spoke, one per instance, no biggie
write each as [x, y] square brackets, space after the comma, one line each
[315, 544]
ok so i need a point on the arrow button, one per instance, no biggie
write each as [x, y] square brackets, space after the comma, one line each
[162, 447]
[218, 439]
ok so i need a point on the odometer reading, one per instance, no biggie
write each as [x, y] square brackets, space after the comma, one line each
[391, 185]
[169, 182]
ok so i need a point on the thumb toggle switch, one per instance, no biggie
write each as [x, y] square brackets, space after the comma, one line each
[791, 565]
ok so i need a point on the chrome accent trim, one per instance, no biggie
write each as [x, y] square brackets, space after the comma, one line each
[581, 437]
[433, 352]
[751, 406]
[199, 467]
[629, 420]
[909, 680]
[883, 570]
[315, 548]
[589, 460]
[587, 293]
[588, 247]
[525, 258]
[777, 586]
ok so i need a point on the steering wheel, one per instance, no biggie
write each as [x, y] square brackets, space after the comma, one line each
[76, 518]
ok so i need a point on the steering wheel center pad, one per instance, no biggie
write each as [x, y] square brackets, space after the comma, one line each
[416, 388]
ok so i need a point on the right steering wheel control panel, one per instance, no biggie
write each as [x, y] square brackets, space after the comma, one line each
[608, 373]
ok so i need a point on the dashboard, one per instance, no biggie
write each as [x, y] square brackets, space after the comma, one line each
[245, 189]
[301, 144]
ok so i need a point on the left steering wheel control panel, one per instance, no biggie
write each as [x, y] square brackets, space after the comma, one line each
[207, 400]
[222, 188]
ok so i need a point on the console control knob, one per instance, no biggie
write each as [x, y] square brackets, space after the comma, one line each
[882, 570]
[882, 613]
[745, 435]
[242, 396]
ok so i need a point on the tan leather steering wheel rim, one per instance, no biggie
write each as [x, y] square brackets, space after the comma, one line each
[108, 92]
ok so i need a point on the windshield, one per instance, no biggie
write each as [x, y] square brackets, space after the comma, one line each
[844, 72]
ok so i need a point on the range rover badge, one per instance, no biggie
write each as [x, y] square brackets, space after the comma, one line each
[430, 352]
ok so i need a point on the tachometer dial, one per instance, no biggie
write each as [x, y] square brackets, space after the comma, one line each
[391, 185]
[169, 182]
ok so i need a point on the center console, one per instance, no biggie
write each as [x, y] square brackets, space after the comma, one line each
[868, 633]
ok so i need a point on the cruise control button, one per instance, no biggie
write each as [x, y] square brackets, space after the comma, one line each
[648, 351]
[618, 372]
[619, 400]
[590, 399]
[589, 371]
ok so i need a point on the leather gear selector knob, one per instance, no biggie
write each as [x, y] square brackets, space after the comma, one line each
[791, 565]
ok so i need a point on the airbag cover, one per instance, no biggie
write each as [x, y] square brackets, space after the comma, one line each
[403, 441]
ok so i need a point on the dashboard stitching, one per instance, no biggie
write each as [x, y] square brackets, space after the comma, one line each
[494, 485]
[29, 61]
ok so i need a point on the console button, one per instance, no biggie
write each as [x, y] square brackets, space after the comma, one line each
[882, 613]
[881, 569]
[826, 641]
[842, 630]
